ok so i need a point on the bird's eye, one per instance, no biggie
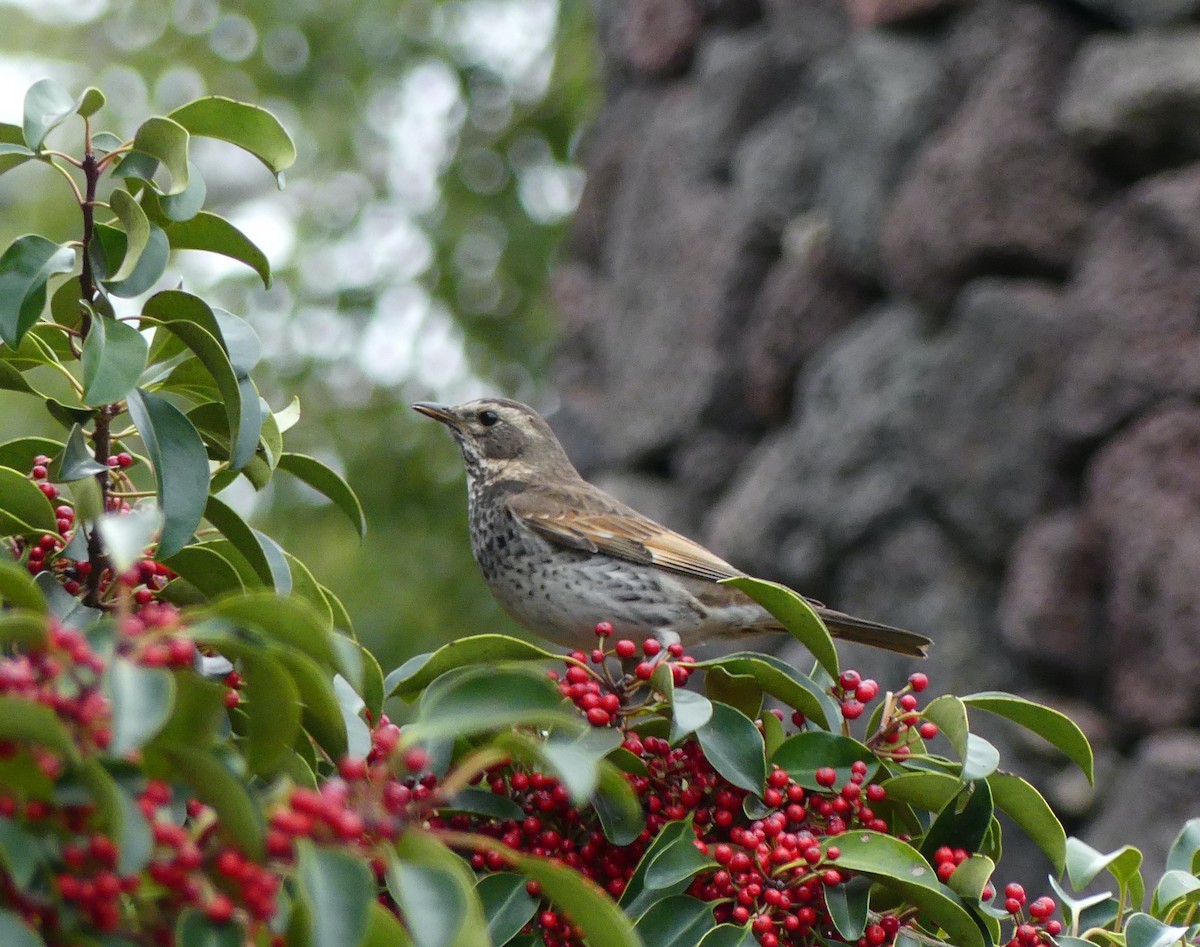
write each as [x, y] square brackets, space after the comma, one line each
[488, 418]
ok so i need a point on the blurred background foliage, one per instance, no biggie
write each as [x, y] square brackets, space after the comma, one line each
[410, 247]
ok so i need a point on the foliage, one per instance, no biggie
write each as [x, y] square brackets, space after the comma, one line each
[193, 748]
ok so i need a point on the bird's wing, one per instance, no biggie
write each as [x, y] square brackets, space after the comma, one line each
[590, 520]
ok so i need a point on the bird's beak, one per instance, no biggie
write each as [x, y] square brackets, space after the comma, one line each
[439, 412]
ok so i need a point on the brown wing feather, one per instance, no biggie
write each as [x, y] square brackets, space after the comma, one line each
[586, 518]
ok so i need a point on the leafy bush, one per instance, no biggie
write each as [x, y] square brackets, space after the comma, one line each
[193, 748]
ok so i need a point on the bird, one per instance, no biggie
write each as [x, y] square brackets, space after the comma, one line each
[561, 556]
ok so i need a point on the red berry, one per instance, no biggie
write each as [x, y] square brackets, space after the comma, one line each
[928, 730]
[644, 671]
[416, 759]
[852, 709]
[219, 909]
[351, 768]
[124, 459]
[826, 776]
[38, 472]
[603, 629]
[49, 489]
[918, 681]
[626, 648]
[849, 680]
[598, 717]
[867, 691]
[1014, 890]
[651, 647]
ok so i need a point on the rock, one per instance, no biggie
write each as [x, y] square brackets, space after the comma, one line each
[998, 189]
[802, 30]
[1050, 608]
[709, 459]
[775, 167]
[912, 575]
[840, 469]
[866, 13]
[1134, 298]
[1134, 101]
[984, 436]
[1143, 489]
[805, 300]
[1164, 769]
[658, 35]
[873, 102]
[1138, 14]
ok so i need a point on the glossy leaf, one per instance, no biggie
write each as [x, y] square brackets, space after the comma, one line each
[733, 745]
[207, 231]
[272, 706]
[780, 680]
[194, 929]
[24, 268]
[90, 102]
[77, 461]
[729, 935]
[1026, 807]
[137, 231]
[249, 127]
[740, 691]
[288, 621]
[24, 509]
[803, 754]
[482, 699]
[13, 151]
[142, 699]
[1142, 930]
[1174, 887]
[47, 105]
[795, 614]
[166, 208]
[14, 933]
[205, 568]
[240, 341]
[950, 715]
[677, 921]
[1047, 723]
[677, 861]
[432, 900]
[326, 481]
[339, 889]
[150, 266]
[981, 758]
[487, 803]
[180, 466]
[241, 536]
[167, 141]
[1182, 855]
[421, 850]
[848, 904]
[418, 673]
[638, 896]
[320, 712]
[897, 866]
[1084, 863]
[507, 906]
[213, 784]
[963, 822]
[617, 806]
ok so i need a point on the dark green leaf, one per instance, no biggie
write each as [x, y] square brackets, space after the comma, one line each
[326, 481]
[249, 127]
[206, 569]
[240, 341]
[1025, 806]
[638, 896]
[167, 141]
[677, 921]
[281, 572]
[339, 889]
[795, 614]
[241, 536]
[847, 904]
[28, 722]
[206, 231]
[272, 707]
[22, 853]
[898, 866]
[413, 677]
[14, 933]
[194, 929]
[487, 803]
[114, 357]
[733, 745]
[1049, 724]
[780, 680]
[149, 268]
[77, 461]
[24, 509]
[439, 874]
[507, 906]
[729, 935]
[1182, 856]
[617, 806]
[678, 861]
[482, 699]
[289, 621]
[142, 699]
[963, 821]
[180, 466]
[24, 268]
[90, 102]
[321, 713]
[214, 785]
[137, 231]
[740, 691]
[47, 104]
[803, 754]
[19, 452]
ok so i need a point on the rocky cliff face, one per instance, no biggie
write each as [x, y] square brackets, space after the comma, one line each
[899, 302]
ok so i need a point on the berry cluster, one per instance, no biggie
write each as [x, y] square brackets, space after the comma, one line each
[1040, 927]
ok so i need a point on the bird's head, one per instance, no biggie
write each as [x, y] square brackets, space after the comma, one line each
[499, 437]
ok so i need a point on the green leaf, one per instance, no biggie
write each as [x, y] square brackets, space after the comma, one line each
[230, 525]
[617, 806]
[272, 706]
[1026, 807]
[678, 861]
[963, 822]
[240, 817]
[119, 816]
[150, 265]
[240, 341]
[384, 930]
[339, 889]
[638, 896]
[898, 866]
[507, 906]
[485, 802]
[320, 712]
[22, 854]
[28, 722]
[482, 699]
[677, 921]
[1049, 724]
[77, 461]
[733, 745]
[971, 877]
[795, 614]
[47, 105]
[729, 935]
[166, 208]
[950, 715]
[180, 466]
[289, 621]
[12, 380]
[20, 451]
[207, 231]
[981, 759]
[848, 904]
[1142, 930]
[1084, 863]
[1173, 887]
[13, 152]
[1182, 856]
[24, 509]
[90, 102]
[211, 573]
[142, 699]
[24, 268]
[137, 231]
[14, 933]
[773, 735]
[803, 754]
[26, 629]
[190, 318]
[167, 141]
[454, 881]
[780, 680]
[194, 929]
[415, 675]
[689, 710]
[251, 128]
[740, 691]
[322, 479]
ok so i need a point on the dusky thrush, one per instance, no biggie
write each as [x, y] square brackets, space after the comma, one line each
[561, 555]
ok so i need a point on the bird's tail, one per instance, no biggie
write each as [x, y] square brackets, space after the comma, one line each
[875, 634]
